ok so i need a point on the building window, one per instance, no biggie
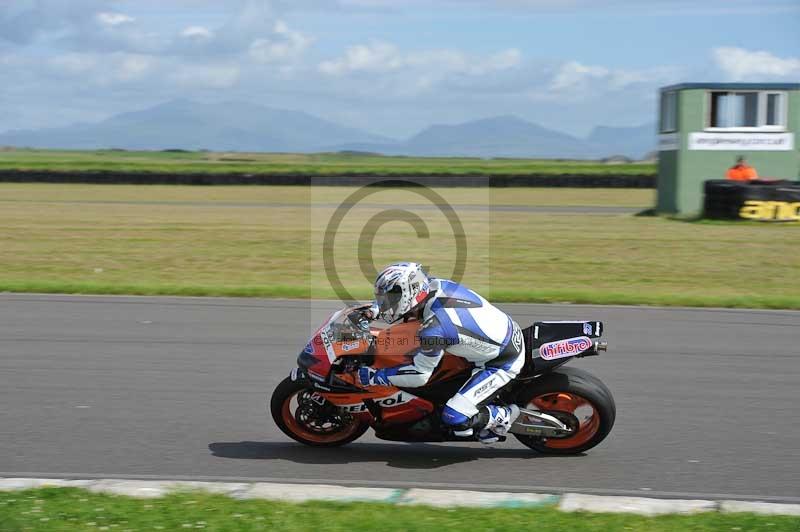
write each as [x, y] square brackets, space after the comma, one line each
[747, 110]
[669, 112]
[775, 114]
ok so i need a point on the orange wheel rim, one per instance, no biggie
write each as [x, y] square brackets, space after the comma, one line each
[287, 413]
[582, 409]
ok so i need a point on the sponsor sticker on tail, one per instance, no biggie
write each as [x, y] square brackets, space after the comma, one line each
[564, 348]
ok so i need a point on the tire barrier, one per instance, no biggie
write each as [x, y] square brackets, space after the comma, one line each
[769, 201]
[429, 180]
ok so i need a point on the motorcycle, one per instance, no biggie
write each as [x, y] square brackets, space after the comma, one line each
[322, 404]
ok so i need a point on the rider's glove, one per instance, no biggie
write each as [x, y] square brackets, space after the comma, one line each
[371, 377]
[372, 311]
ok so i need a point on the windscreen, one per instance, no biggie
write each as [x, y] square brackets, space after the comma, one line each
[343, 326]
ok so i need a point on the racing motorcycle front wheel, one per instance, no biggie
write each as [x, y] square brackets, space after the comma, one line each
[578, 399]
[305, 416]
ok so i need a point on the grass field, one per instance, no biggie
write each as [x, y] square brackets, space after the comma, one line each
[65, 509]
[267, 241]
[300, 164]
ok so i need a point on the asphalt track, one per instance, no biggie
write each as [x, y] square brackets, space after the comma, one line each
[177, 388]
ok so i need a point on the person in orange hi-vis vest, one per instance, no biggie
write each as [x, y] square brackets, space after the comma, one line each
[741, 171]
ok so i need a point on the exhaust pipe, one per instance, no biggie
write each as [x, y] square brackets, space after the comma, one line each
[594, 350]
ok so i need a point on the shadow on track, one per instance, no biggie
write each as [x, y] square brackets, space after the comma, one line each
[403, 456]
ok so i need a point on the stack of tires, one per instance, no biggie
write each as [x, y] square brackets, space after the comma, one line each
[724, 199]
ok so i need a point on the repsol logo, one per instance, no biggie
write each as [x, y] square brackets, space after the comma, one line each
[326, 341]
[393, 400]
[770, 210]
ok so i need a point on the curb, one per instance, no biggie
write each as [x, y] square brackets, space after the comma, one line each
[296, 493]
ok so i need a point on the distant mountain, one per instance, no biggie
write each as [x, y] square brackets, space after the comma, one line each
[181, 124]
[237, 126]
[502, 136]
[634, 142]
[510, 136]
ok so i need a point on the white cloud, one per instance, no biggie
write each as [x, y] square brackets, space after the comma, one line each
[121, 70]
[211, 76]
[506, 59]
[8, 59]
[625, 8]
[739, 64]
[458, 62]
[113, 19]
[374, 57]
[197, 32]
[95, 51]
[133, 66]
[283, 45]
[73, 64]
[103, 69]
[574, 75]
[379, 56]
[574, 81]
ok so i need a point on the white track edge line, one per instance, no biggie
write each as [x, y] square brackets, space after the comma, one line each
[354, 483]
[567, 502]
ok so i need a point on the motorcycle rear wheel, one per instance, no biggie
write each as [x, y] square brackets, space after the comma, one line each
[296, 418]
[579, 399]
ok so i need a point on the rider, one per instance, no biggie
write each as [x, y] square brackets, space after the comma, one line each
[456, 319]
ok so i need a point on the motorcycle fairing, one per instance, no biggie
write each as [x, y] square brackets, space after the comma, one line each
[394, 346]
[336, 338]
[388, 405]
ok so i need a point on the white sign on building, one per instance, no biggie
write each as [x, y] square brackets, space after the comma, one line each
[741, 141]
[669, 142]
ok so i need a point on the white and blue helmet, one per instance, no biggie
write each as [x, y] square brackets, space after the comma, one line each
[399, 289]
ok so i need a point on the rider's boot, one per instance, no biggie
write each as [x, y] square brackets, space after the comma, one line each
[500, 420]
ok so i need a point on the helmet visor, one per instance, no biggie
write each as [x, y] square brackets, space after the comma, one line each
[389, 301]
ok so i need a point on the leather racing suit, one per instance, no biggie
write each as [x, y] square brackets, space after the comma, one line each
[457, 320]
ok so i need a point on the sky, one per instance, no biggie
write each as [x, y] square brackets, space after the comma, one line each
[390, 67]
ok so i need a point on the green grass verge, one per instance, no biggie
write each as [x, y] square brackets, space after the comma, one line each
[502, 296]
[267, 241]
[67, 509]
[318, 164]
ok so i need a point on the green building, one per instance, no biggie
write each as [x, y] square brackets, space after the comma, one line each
[704, 127]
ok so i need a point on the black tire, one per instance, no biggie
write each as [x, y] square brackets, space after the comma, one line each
[578, 382]
[284, 392]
